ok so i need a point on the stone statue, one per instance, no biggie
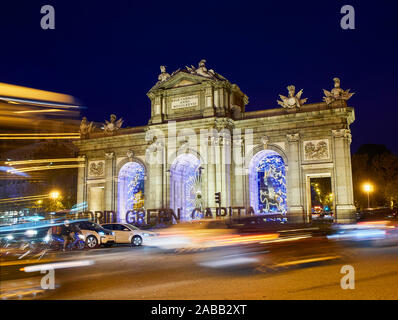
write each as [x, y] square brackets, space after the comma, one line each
[201, 70]
[336, 93]
[85, 127]
[293, 100]
[112, 126]
[163, 76]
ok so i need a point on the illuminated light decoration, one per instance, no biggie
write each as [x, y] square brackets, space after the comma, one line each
[193, 188]
[267, 183]
[185, 186]
[131, 181]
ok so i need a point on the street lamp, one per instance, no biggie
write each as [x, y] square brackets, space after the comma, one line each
[368, 188]
[54, 195]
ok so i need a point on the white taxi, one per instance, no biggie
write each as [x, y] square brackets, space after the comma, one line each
[127, 233]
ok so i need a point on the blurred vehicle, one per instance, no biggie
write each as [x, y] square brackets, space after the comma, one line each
[95, 235]
[127, 233]
[196, 234]
[375, 214]
[256, 223]
[270, 243]
[23, 243]
[373, 232]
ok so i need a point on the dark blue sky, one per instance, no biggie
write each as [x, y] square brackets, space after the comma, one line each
[107, 53]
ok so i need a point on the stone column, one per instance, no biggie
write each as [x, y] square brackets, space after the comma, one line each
[209, 102]
[168, 187]
[157, 109]
[217, 174]
[81, 183]
[156, 179]
[344, 198]
[211, 174]
[224, 172]
[109, 181]
[238, 174]
[294, 195]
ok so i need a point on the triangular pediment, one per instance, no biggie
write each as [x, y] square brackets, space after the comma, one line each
[180, 78]
[184, 82]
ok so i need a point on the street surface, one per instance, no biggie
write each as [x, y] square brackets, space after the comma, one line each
[124, 272]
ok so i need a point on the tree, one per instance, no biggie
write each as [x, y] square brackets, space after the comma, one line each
[375, 164]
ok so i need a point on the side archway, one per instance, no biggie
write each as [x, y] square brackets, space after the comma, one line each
[131, 188]
[267, 183]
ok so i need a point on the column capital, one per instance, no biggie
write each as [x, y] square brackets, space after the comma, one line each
[293, 137]
[342, 133]
[109, 155]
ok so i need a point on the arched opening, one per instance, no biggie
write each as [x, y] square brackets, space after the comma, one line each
[267, 183]
[185, 185]
[131, 181]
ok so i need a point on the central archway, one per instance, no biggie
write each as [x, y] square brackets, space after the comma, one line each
[267, 183]
[185, 185]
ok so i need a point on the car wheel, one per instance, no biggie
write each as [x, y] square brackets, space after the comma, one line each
[136, 241]
[91, 242]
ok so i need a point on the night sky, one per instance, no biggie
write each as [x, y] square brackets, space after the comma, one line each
[107, 53]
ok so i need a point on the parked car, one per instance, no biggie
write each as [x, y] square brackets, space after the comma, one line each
[96, 235]
[127, 233]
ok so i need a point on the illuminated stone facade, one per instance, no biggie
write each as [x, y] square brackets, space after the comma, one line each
[200, 140]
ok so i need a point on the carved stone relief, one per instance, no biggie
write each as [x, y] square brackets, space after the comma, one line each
[316, 149]
[96, 168]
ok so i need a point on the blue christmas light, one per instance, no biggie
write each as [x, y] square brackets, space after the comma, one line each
[267, 180]
[131, 181]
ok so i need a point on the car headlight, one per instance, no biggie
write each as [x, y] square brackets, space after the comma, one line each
[9, 237]
[146, 234]
[47, 238]
[81, 236]
[101, 233]
[31, 233]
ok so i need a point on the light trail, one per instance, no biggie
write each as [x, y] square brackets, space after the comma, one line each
[59, 265]
[27, 198]
[41, 134]
[28, 169]
[18, 162]
[40, 111]
[39, 137]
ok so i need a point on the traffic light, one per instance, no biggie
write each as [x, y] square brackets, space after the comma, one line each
[218, 198]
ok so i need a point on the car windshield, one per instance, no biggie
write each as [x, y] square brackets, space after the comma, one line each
[132, 227]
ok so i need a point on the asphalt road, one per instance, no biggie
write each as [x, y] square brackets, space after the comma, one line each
[145, 273]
